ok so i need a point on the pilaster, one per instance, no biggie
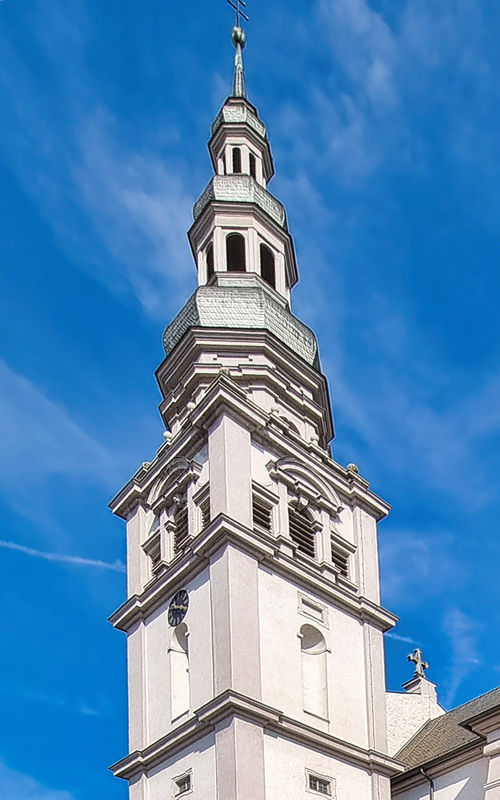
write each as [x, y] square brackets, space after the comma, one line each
[229, 448]
[235, 622]
[240, 760]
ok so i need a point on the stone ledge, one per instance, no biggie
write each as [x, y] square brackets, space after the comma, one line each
[232, 704]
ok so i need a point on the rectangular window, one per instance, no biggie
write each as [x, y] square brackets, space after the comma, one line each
[320, 785]
[182, 785]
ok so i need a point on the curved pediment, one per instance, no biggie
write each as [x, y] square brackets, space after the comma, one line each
[306, 481]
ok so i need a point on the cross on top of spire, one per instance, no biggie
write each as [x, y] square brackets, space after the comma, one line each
[238, 5]
[420, 664]
[239, 38]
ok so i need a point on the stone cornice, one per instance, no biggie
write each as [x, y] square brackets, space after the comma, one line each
[232, 704]
[222, 531]
[225, 396]
[484, 723]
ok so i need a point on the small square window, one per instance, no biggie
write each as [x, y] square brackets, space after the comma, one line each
[320, 785]
[182, 785]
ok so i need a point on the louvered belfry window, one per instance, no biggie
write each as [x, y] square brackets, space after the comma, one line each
[261, 513]
[341, 561]
[302, 531]
[181, 532]
[205, 512]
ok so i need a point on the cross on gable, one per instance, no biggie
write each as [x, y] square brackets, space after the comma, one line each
[420, 664]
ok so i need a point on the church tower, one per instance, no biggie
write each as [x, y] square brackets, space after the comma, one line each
[253, 617]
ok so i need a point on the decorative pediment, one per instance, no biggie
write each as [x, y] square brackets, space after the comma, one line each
[308, 486]
[172, 481]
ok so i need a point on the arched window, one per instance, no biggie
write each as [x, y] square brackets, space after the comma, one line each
[235, 252]
[302, 530]
[267, 269]
[210, 260]
[314, 671]
[179, 672]
[236, 160]
[253, 165]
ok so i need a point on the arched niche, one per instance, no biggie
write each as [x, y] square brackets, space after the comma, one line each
[314, 671]
[178, 653]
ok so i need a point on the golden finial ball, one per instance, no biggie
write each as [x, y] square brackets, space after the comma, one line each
[239, 37]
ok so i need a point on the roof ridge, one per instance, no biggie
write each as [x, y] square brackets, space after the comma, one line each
[474, 700]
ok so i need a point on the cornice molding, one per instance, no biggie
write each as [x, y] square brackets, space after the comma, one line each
[223, 531]
[232, 704]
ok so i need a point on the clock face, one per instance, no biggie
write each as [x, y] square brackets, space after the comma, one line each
[178, 607]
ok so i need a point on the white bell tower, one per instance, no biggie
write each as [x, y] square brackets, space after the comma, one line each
[253, 617]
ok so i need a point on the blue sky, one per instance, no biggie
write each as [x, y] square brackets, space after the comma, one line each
[384, 121]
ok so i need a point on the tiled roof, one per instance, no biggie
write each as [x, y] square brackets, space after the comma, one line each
[443, 735]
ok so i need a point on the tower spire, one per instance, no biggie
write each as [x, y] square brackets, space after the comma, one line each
[239, 38]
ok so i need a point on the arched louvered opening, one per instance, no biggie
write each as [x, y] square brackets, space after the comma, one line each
[253, 165]
[314, 671]
[236, 160]
[210, 261]
[267, 267]
[235, 252]
[181, 531]
[302, 531]
[179, 672]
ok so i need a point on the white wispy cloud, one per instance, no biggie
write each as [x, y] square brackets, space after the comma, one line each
[462, 632]
[66, 702]
[116, 566]
[15, 785]
[399, 638]
[40, 438]
[119, 211]
[139, 209]
[418, 566]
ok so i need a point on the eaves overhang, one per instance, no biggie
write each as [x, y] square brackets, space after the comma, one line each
[434, 768]
[242, 307]
[240, 189]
